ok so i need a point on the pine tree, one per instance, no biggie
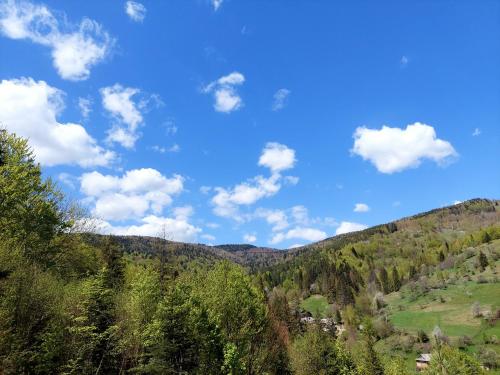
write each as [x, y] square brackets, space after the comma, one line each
[483, 261]
[396, 281]
[370, 363]
[384, 280]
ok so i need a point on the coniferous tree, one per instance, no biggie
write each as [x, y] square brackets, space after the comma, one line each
[483, 261]
[396, 281]
[384, 280]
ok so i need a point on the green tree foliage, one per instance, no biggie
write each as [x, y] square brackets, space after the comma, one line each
[369, 362]
[237, 307]
[396, 281]
[318, 353]
[30, 214]
[483, 261]
[451, 361]
[384, 280]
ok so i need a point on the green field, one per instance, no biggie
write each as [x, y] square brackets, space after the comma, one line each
[316, 304]
[450, 309]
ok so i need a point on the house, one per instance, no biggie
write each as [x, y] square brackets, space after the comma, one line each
[422, 361]
[307, 319]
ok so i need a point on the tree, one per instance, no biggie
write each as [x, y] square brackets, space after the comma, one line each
[369, 363]
[396, 281]
[318, 353]
[446, 360]
[384, 280]
[483, 261]
[30, 214]
[235, 305]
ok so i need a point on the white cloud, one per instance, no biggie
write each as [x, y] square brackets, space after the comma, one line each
[361, 207]
[455, 202]
[476, 132]
[404, 61]
[250, 238]
[394, 150]
[216, 4]
[132, 195]
[85, 106]
[346, 227]
[277, 218]
[291, 180]
[280, 98]
[226, 97]
[136, 11]
[118, 101]
[296, 245]
[30, 109]
[226, 201]
[277, 157]
[183, 212]
[75, 48]
[178, 229]
[174, 148]
[212, 225]
[303, 233]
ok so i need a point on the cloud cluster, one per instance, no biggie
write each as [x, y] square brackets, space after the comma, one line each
[347, 227]
[394, 150]
[277, 158]
[224, 91]
[136, 11]
[294, 223]
[30, 109]
[361, 207]
[135, 194]
[177, 228]
[249, 238]
[75, 48]
[280, 98]
[119, 102]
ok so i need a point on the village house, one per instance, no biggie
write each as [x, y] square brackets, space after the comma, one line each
[422, 361]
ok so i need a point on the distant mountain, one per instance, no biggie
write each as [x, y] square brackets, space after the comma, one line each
[464, 217]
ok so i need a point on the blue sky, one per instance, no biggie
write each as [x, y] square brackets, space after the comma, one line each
[276, 123]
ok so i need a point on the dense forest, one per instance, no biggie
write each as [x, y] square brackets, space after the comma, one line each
[75, 302]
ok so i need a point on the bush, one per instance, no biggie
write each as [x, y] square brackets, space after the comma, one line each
[464, 342]
[489, 358]
[422, 336]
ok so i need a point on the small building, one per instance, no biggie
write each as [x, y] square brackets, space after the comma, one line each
[422, 361]
[307, 319]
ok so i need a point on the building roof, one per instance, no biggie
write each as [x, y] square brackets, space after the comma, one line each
[425, 357]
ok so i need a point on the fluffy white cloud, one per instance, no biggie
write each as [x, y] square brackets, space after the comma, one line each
[177, 229]
[132, 195]
[302, 233]
[394, 149]
[250, 238]
[224, 91]
[277, 157]
[277, 218]
[30, 109]
[226, 201]
[216, 4]
[476, 132]
[346, 227]
[136, 11]
[75, 48]
[118, 101]
[280, 98]
[361, 207]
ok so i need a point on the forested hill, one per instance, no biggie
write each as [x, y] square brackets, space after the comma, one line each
[451, 221]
